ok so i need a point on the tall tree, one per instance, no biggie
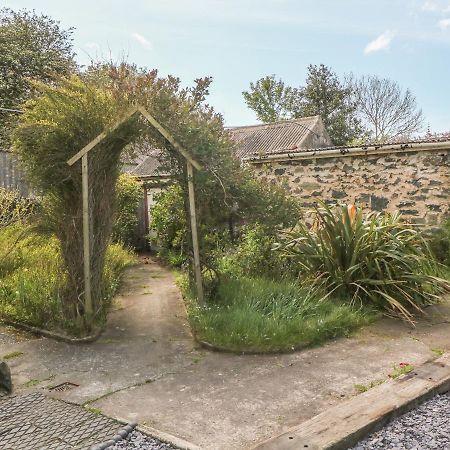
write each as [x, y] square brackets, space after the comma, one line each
[324, 94]
[272, 100]
[33, 47]
[387, 112]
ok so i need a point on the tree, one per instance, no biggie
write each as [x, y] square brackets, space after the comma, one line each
[272, 100]
[33, 47]
[324, 94]
[386, 111]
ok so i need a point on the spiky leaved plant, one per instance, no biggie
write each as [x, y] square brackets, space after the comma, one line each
[374, 258]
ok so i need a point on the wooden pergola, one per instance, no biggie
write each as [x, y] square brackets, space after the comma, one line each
[191, 164]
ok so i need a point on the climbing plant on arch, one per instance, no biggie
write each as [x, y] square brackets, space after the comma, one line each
[54, 127]
[83, 155]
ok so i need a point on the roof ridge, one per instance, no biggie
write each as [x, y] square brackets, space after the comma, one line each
[272, 124]
[419, 140]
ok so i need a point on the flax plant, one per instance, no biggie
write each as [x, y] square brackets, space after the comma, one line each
[373, 259]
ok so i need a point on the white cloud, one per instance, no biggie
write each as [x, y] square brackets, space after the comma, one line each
[444, 24]
[440, 6]
[142, 40]
[382, 42]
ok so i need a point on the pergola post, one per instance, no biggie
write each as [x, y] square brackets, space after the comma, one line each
[86, 238]
[195, 247]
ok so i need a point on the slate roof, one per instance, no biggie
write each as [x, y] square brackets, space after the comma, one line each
[273, 137]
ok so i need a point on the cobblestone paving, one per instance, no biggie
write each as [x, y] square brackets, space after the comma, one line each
[37, 422]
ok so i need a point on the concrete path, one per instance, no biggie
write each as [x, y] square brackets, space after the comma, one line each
[147, 368]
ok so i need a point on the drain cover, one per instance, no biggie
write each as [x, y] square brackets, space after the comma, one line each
[64, 387]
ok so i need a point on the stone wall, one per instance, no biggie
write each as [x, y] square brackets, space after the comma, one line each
[416, 183]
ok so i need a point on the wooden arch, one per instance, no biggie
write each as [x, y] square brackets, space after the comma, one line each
[191, 164]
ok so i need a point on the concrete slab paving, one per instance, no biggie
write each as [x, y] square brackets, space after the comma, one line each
[147, 368]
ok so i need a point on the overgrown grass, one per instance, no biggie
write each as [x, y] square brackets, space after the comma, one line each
[32, 280]
[260, 315]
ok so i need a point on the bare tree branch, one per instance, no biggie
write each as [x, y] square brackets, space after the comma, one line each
[386, 111]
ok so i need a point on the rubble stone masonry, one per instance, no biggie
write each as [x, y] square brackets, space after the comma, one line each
[416, 183]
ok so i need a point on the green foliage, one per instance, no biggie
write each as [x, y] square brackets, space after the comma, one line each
[365, 387]
[272, 100]
[227, 245]
[128, 196]
[224, 190]
[375, 259]
[168, 221]
[326, 95]
[440, 243]
[253, 256]
[261, 315]
[54, 127]
[33, 280]
[323, 94]
[34, 47]
[14, 208]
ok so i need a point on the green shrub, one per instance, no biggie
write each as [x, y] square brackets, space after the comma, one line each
[14, 208]
[55, 125]
[376, 259]
[253, 256]
[440, 243]
[128, 196]
[262, 315]
[32, 278]
[168, 221]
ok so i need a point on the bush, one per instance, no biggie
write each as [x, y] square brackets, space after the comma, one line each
[55, 125]
[128, 196]
[168, 221]
[253, 256]
[376, 259]
[32, 278]
[259, 315]
[440, 243]
[14, 208]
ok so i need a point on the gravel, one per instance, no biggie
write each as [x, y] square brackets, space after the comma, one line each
[426, 427]
[136, 440]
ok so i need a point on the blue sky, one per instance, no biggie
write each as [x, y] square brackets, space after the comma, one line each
[238, 41]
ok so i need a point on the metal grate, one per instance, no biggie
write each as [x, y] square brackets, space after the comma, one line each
[64, 387]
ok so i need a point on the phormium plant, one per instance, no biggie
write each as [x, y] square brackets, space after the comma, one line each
[374, 258]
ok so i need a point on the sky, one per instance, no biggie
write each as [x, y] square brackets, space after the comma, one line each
[239, 41]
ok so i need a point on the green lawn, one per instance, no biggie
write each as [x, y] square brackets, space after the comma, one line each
[259, 315]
